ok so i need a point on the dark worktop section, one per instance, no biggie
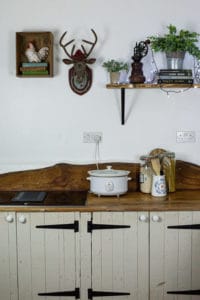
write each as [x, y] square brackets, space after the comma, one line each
[52, 198]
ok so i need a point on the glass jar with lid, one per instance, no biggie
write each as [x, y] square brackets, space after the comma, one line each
[146, 173]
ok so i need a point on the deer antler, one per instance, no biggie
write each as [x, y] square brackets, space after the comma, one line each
[91, 43]
[65, 45]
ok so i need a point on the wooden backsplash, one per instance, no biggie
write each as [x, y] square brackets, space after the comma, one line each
[73, 177]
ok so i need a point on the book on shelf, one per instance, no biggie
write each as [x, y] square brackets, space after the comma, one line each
[176, 81]
[34, 64]
[175, 72]
[174, 77]
[32, 69]
[42, 72]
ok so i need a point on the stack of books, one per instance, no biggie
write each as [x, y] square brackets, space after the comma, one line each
[175, 76]
[34, 68]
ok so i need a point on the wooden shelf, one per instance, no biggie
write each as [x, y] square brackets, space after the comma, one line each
[150, 86]
[40, 39]
[124, 86]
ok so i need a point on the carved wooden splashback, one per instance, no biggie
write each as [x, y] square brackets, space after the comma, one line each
[73, 177]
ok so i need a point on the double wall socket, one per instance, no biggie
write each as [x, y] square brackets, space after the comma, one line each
[92, 137]
[185, 137]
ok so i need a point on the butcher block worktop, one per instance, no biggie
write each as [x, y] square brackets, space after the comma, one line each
[67, 190]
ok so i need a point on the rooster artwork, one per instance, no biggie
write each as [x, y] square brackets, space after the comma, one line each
[36, 56]
[80, 75]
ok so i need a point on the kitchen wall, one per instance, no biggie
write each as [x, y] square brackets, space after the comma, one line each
[42, 121]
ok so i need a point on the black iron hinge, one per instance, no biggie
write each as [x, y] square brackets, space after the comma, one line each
[91, 226]
[186, 292]
[189, 226]
[74, 226]
[92, 294]
[75, 293]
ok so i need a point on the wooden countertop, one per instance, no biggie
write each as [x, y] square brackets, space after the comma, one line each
[184, 200]
[62, 179]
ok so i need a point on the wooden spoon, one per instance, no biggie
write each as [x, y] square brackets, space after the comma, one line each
[155, 162]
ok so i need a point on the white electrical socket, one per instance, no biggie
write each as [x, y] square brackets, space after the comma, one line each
[185, 137]
[92, 137]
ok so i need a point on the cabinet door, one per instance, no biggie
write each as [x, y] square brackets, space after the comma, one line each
[120, 256]
[174, 255]
[8, 257]
[47, 256]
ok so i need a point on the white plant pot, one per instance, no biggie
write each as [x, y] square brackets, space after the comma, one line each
[114, 77]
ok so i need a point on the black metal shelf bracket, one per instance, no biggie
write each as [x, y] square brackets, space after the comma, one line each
[122, 106]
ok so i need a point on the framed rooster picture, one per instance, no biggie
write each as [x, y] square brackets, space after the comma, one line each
[34, 54]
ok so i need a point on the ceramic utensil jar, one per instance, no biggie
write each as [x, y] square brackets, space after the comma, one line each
[159, 186]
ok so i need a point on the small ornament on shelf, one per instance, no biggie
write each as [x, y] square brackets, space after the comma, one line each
[140, 51]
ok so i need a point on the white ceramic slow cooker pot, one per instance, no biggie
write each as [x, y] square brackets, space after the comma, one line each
[108, 182]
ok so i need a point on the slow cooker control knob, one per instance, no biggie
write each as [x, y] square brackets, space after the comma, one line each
[109, 167]
[109, 186]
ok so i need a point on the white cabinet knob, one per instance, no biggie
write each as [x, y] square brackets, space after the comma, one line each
[155, 218]
[9, 218]
[22, 219]
[143, 218]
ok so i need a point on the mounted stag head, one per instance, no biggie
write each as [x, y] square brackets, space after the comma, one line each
[80, 75]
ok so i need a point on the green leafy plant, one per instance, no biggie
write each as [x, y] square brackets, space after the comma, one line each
[174, 41]
[115, 66]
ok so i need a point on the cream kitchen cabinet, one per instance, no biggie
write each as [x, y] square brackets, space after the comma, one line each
[47, 255]
[174, 255]
[120, 255]
[37, 261]
[101, 254]
[106, 255]
[8, 257]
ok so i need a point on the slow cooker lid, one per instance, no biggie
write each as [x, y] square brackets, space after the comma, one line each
[108, 172]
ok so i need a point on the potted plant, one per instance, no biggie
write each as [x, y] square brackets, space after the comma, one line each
[175, 44]
[114, 67]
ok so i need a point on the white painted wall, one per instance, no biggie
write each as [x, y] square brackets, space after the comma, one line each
[42, 121]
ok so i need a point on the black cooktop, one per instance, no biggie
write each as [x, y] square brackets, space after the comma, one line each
[44, 198]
